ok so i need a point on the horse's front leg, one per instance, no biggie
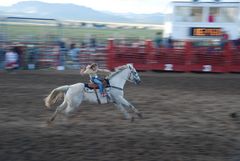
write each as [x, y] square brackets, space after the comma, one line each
[129, 105]
[124, 111]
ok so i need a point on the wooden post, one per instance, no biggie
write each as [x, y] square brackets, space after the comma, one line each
[110, 54]
[150, 54]
[188, 56]
[227, 56]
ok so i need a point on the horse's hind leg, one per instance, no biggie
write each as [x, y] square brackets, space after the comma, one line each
[73, 105]
[59, 109]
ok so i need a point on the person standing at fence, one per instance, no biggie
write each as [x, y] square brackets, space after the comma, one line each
[11, 59]
[224, 39]
[73, 52]
[2, 57]
[93, 70]
[32, 55]
[170, 42]
[158, 39]
[74, 56]
[62, 53]
[93, 42]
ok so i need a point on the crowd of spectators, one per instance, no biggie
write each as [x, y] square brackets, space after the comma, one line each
[29, 55]
[15, 55]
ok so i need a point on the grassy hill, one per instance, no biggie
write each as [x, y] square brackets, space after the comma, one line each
[28, 32]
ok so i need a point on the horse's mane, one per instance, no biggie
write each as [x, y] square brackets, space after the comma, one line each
[117, 70]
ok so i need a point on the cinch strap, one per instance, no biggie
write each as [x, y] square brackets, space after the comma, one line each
[117, 88]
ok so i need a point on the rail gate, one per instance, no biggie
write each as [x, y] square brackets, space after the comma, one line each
[147, 57]
[208, 59]
[234, 59]
[182, 59]
[167, 59]
[119, 55]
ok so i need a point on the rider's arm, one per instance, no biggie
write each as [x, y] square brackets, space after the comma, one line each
[106, 71]
[85, 70]
[82, 71]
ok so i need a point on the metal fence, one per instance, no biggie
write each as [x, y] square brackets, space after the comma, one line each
[186, 58]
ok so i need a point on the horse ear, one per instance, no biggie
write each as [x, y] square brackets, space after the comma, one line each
[130, 65]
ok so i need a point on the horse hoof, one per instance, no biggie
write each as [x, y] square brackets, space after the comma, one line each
[49, 121]
[233, 115]
[140, 115]
[132, 119]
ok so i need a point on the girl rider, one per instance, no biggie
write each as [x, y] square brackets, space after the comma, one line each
[92, 70]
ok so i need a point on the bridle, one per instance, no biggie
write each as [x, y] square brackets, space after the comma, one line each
[128, 78]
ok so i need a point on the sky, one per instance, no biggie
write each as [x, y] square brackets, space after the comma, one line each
[117, 6]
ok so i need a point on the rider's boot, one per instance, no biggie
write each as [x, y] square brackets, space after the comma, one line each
[103, 94]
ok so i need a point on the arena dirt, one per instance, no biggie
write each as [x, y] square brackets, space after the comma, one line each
[186, 118]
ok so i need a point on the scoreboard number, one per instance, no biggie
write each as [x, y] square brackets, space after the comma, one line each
[168, 67]
[207, 68]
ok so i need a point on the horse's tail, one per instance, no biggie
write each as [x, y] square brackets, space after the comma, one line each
[55, 95]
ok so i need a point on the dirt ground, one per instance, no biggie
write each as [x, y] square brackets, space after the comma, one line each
[186, 118]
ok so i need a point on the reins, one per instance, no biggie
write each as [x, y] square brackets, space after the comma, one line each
[114, 74]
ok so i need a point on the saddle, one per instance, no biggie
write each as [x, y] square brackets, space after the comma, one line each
[92, 85]
[91, 88]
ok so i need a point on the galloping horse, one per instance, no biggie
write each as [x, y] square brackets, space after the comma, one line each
[75, 94]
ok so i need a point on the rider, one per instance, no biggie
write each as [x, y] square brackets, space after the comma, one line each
[92, 70]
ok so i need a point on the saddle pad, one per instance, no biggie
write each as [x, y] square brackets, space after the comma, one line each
[90, 90]
[92, 85]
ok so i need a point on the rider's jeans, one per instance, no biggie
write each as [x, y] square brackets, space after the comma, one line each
[99, 83]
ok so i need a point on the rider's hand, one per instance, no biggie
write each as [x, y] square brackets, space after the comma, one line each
[82, 69]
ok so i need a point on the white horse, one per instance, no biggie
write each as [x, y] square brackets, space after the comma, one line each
[75, 94]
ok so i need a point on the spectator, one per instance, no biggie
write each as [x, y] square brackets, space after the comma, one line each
[169, 42]
[11, 60]
[83, 45]
[237, 43]
[74, 56]
[73, 52]
[93, 42]
[224, 39]
[2, 53]
[158, 39]
[18, 48]
[63, 52]
[32, 54]
[211, 18]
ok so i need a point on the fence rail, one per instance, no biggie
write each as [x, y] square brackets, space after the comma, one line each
[145, 57]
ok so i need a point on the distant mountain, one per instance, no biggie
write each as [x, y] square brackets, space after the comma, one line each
[156, 18]
[38, 9]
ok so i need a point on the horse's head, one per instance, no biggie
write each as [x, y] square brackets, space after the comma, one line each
[133, 76]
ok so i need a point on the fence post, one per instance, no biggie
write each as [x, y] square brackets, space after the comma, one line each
[228, 57]
[110, 54]
[150, 54]
[188, 56]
